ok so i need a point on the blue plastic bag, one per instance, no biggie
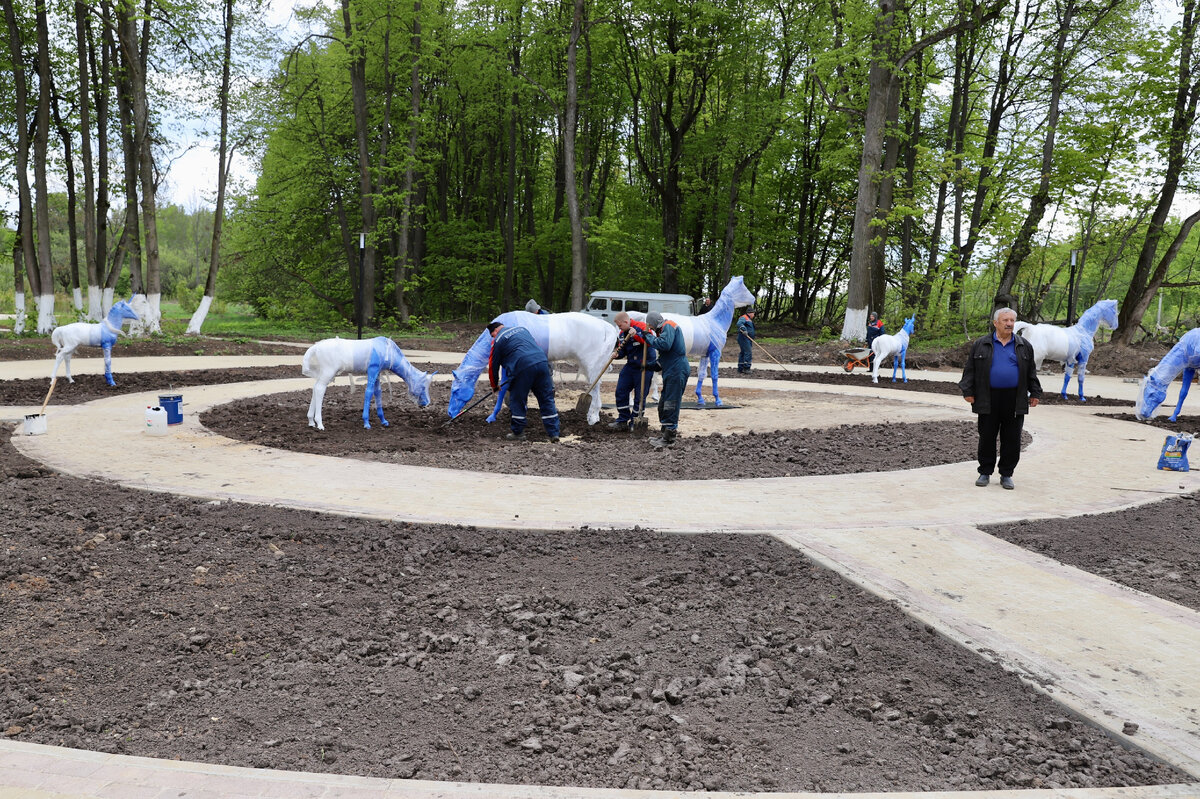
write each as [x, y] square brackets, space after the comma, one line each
[1174, 452]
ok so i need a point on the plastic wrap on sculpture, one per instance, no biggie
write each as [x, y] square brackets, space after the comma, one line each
[330, 357]
[894, 347]
[1174, 452]
[1183, 357]
[576, 337]
[68, 338]
[705, 335]
[1071, 345]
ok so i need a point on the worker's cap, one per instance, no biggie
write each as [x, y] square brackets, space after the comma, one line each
[532, 306]
[750, 309]
[654, 319]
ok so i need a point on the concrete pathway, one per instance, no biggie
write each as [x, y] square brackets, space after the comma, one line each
[1109, 653]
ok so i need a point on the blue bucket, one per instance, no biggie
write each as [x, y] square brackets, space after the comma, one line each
[173, 405]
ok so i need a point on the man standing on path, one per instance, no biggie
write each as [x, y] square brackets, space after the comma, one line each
[1001, 383]
[745, 329]
[633, 378]
[667, 339]
[526, 368]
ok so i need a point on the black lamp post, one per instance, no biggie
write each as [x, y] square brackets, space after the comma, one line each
[359, 301]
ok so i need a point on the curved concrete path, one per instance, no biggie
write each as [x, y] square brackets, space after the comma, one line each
[1106, 652]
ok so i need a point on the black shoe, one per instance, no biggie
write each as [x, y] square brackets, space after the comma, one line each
[515, 437]
[1007, 482]
[553, 439]
[983, 480]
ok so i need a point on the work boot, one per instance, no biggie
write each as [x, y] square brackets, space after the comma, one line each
[515, 437]
[667, 438]
[983, 480]
[620, 424]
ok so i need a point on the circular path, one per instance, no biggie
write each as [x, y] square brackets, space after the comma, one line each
[1106, 652]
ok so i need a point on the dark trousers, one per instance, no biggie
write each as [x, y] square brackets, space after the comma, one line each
[635, 381]
[674, 383]
[1006, 425]
[745, 353]
[538, 380]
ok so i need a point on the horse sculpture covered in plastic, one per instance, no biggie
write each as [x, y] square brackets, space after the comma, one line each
[330, 357]
[69, 338]
[894, 347]
[585, 340]
[1183, 357]
[705, 334]
[1072, 345]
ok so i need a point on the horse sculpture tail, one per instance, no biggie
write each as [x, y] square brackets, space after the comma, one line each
[1020, 327]
[306, 367]
[56, 337]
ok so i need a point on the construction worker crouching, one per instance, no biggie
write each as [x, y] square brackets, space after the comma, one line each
[526, 368]
[635, 375]
[667, 339]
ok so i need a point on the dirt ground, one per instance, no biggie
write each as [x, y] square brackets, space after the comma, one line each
[271, 638]
[265, 637]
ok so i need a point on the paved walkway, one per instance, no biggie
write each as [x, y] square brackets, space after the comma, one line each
[1109, 653]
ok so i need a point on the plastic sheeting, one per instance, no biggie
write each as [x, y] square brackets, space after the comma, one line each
[1183, 357]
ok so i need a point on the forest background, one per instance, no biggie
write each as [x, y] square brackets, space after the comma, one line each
[419, 162]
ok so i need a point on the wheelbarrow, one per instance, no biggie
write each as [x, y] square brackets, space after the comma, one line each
[860, 356]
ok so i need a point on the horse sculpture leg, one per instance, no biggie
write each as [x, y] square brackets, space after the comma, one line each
[714, 356]
[371, 389]
[1188, 376]
[108, 375]
[1081, 370]
[903, 366]
[318, 399]
[701, 371]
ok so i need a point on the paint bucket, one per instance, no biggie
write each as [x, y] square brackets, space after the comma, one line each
[173, 405]
[156, 421]
[35, 424]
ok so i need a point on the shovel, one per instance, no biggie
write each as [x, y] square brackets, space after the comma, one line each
[581, 404]
[768, 354]
[46, 402]
[641, 421]
[469, 407]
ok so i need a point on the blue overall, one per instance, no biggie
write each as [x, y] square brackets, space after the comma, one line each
[745, 328]
[634, 378]
[527, 369]
[675, 372]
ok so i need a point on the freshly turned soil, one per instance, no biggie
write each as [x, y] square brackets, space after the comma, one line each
[248, 635]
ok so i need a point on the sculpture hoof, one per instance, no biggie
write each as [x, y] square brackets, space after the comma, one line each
[385, 423]
[717, 402]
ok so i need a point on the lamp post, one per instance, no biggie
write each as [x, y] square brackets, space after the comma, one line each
[359, 300]
[1071, 289]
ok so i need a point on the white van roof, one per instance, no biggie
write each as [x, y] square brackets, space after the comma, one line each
[641, 295]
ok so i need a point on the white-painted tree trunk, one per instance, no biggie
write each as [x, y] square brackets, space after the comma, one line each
[77, 300]
[19, 315]
[854, 328]
[95, 304]
[199, 315]
[45, 320]
[154, 322]
[106, 304]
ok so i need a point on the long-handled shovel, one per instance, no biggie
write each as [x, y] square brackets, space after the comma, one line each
[581, 404]
[768, 354]
[469, 407]
[46, 402]
[640, 420]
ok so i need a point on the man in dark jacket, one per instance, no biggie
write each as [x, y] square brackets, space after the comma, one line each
[874, 331]
[526, 368]
[1001, 383]
[746, 334]
[634, 377]
[667, 338]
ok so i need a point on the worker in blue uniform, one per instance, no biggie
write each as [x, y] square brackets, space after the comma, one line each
[745, 329]
[526, 369]
[667, 339]
[635, 375]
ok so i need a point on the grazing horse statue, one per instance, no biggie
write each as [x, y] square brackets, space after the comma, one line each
[1072, 345]
[894, 347]
[573, 336]
[705, 334]
[68, 338]
[1183, 357]
[330, 357]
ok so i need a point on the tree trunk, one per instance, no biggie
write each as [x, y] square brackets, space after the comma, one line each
[85, 154]
[41, 141]
[141, 127]
[25, 236]
[65, 136]
[131, 235]
[362, 120]
[578, 252]
[406, 187]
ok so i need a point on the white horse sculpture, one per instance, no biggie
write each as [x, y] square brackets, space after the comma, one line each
[330, 357]
[705, 334]
[1072, 345]
[1183, 357]
[894, 347]
[577, 337]
[69, 338]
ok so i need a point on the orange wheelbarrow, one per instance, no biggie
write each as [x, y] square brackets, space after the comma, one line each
[857, 357]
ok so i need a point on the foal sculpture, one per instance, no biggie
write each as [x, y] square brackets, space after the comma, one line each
[1072, 345]
[1183, 357]
[894, 347]
[68, 338]
[330, 357]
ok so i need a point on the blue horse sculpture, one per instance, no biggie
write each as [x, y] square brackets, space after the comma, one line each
[894, 347]
[577, 337]
[1183, 357]
[1072, 345]
[330, 357]
[69, 338]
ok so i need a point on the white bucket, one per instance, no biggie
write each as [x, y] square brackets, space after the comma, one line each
[156, 421]
[35, 424]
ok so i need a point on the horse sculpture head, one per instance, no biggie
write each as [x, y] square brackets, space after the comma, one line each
[735, 290]
[1108, 313]
[418, 387]
[1151, 393]
[462, 389]
[910, 324]
[121, 311]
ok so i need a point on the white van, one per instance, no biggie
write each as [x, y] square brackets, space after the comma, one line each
[607, 304]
